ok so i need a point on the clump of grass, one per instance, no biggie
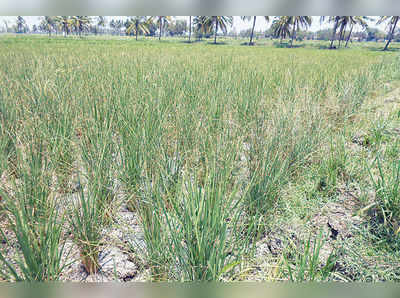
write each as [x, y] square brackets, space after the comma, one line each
[333, 167]
[304, 265]
[132, 161]
[8, 151]
[85, 224]
[274, 159]
[204, 227]
[97, 151]
[34, 221]
[387, 194]
[158, 258]
[61, 132]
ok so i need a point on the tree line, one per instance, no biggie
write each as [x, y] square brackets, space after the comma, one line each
[282, 27]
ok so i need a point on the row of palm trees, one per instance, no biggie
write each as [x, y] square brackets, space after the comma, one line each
[66, 24]
[283, 26]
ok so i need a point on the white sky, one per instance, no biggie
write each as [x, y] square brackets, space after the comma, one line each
[238, 24]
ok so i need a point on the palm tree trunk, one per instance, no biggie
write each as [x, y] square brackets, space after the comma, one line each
[252, 31]
[342, 33]
[348, 37]
[293, 32]
[137, 31]
[391, 35]
[216, 29]
[160, 21]
[334, 33]
[190, 27]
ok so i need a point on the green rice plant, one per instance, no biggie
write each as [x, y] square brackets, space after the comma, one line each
[8, 154]
[170, 171]
[34, 220]
[378, 133]
[158, 257]
[60, 132]
[161, 118]
[97, 151]
[333, 167]
[392, 150]
[274, 159]
[387, 194]
[85, 222]
[304, 265]
[203, 226]
[130, 149]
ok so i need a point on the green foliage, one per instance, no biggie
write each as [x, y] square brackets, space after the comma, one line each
[35, 221]
[207, 142]
[304, 265]
[86, 222]
[387, 192]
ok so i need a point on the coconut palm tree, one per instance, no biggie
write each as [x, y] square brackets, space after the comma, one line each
[281, 27]
[202, 24]
[101, 22]
[47, 24]
[220, 22]
[296, 22]
[65, 24]
[119, 24]
[138, 24]
[161, 22]
[393, 22]
[248, 18]
[80, 23]
[112, 24]
[335, 20]
[353, 21]
[20, 24]
[116, 25]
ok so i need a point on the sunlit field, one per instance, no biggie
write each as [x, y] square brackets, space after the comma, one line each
[145, 160]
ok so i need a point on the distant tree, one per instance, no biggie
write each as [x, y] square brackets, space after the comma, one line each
[5, 25]
[118, 26]
[65, 24]
[47, 24]
[353, 21]
[296, 23]
[220, 22]
[202, 25]
[281, 27]
[80, 24]
[245, 33]
[162, 21]
[101, 23]
[112, 25]
[374, 34]
[335, 20]
[248, 18]
[324, 34]
[137, 24]
[20, 24]
[177, 27]
[392, 24]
